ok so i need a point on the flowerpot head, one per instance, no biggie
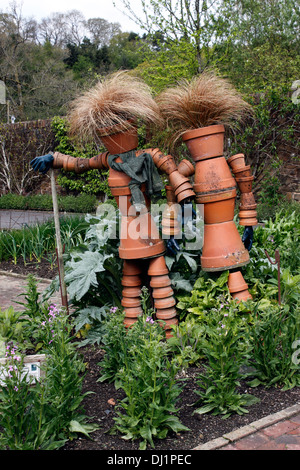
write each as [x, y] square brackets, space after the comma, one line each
[206, 100]
[110, 108]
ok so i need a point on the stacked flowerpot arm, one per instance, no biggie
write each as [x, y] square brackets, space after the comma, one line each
[244, 179]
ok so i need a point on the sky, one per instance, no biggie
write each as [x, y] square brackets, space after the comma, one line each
[39, 9]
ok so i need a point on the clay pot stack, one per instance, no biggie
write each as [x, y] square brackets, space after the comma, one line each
[163, 294]
[180, 183]
[238, 287]
[215, 188]
[170, 215]
[170, 223]
[244, 179]
[131, 300]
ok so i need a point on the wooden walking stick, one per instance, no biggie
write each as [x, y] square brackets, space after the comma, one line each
[59, 251]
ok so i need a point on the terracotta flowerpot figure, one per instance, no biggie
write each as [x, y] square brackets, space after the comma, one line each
[198, 112]
[108, 114]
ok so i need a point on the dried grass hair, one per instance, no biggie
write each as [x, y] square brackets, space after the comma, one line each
[117, 102]
[205, 100]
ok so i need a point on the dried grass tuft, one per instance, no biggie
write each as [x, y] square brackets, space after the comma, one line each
[112, 102]
[206, 100]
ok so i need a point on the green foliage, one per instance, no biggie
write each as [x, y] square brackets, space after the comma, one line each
[90, 182]
[225, 351]
[38, 241]
[46, 415]
[207, 293]
[11, 325]
[144, 371]
[272, 336]
[82, 203]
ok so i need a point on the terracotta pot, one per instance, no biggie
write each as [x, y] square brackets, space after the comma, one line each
[128, 322]
[236, 282]
[186, 168]
[245, 184]
[236, 161]
[160, 281]
[129, 302]
[181, 186]
[119, 141]
[133, 312]
[118, 183]
[166, 314]
[139, 238]
[206, 142]
[131, 281]
[213, 176]
[131, 292]
[99, 162]
[248, 218]
[243, 172]
[242, 296]
[167, 324]
[219, 211]
[203, 198]
[170, 195]
[131, 268]
[162, 292]
[157, 267]
[164, 303]
[247, 201]
[223, 247]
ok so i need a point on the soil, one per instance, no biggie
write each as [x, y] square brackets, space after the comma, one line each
[100, 406]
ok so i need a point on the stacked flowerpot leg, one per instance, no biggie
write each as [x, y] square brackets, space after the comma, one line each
[162, 293]
[131, 300]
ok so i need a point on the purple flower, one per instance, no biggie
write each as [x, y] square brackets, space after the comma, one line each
[113, 309]
[150, 320]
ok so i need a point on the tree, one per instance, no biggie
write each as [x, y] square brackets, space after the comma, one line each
[101, 31]
[201, 23]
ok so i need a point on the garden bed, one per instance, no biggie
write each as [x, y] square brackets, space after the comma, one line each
[203, 428]
[101, 405]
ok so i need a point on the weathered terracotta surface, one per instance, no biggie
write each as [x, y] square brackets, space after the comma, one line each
[120, 142]
[186, 168]
[223, 247]
[206, 142]
[157, 267]
[236, 161]
[219, 211]
[162, 292]
[160, 281]
[245, 184]
[131, 281]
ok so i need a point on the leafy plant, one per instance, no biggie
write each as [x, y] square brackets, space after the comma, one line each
[148, 379]
[45, 415]
[225, 352]
[271, 339]
[207, 293]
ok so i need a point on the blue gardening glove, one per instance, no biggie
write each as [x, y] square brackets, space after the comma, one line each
[43, 163]
[247, 238]
[172, 246]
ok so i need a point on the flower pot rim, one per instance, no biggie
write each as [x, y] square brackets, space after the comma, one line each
[244, 179]
[203, 131]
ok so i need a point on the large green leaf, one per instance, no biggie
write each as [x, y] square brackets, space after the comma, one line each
[81, 272]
